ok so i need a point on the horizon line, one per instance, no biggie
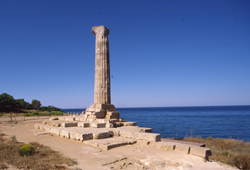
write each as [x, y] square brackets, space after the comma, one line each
[168, 106]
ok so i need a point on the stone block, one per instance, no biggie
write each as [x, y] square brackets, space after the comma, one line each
[142, 142]
[55, 131]
[115, 132]
[64, 133]
[112, 115]
[182, 148]
[94, 143]
[109, 125]
[75, 135]
[91, 119]
[101, 135]
[82, 119]
[127, 134]
[99, 114]
[55, 123]
[37, 126]
[62, 118]
[45, 128]
[87, 136]
[200, 151]
[83, 124]
[97, 125]
[72, 135]
[166, 146]
[148, 130]
[53, 118]
[151, 137]
[108, 146]
[118, 124]
[70, 118]
[69, 124]
[129, 123]
[45, 122]
[102, 120]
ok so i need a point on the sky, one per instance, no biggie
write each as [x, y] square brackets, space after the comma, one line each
[163, 53]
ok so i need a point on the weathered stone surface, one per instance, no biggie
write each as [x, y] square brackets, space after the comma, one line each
[102, 99]
[83, 124]
[55, 130]
[53, 118]
[70, 118]
[112, 115]
[44, 127]
[148, 130]
[87, 136]
[65, 133]
[135, 133]
[97, 125]
[103, 120]
[152, 137]
[120, 124]
[143, 142]
[75, 135]
[200, 151]
[37, 126]
[80, 118]
[69, 124]
[164, 146]
[129, 123]
[181, 147]
[109, 143]
[100, 135]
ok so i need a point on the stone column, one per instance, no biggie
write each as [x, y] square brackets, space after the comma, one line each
[102, 107]
[102, 70]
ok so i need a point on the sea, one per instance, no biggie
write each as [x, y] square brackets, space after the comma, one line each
[179, 122]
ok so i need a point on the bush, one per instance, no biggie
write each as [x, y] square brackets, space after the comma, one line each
[58, 113]
[26, 150]
[26, 114]
[35, 113]
[242, 162]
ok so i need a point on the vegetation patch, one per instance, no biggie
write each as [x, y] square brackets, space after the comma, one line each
[31, 156]
[229, 151]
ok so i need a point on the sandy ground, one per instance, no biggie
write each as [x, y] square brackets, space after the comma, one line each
[134, 157]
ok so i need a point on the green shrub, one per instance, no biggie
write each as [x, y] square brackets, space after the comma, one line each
[35, 113]
[209, 138]
[26, 114]
[58, 113]
[26, 150]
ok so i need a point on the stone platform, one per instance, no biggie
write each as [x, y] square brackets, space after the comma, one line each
[111, 133]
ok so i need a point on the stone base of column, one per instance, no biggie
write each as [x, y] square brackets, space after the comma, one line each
[102, 111]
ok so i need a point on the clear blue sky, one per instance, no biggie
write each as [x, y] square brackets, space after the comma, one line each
[163, 53]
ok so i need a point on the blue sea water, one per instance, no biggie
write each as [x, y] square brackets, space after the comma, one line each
[179, 122]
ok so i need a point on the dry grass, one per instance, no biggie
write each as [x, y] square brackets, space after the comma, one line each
[230, 151]
[43, 158]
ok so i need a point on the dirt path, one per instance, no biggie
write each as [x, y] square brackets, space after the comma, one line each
[127, 157]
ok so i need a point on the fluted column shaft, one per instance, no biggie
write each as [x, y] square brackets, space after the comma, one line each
[102, 66]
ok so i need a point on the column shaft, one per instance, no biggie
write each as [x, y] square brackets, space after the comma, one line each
[102, 68]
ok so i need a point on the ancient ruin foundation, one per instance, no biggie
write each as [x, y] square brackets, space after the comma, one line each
[101, 125]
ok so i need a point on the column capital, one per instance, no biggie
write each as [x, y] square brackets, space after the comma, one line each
[100, 30]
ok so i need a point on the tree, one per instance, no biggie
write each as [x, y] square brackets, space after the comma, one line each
[7, 103]
[36, 104]
[50, 108]
[23, 104]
